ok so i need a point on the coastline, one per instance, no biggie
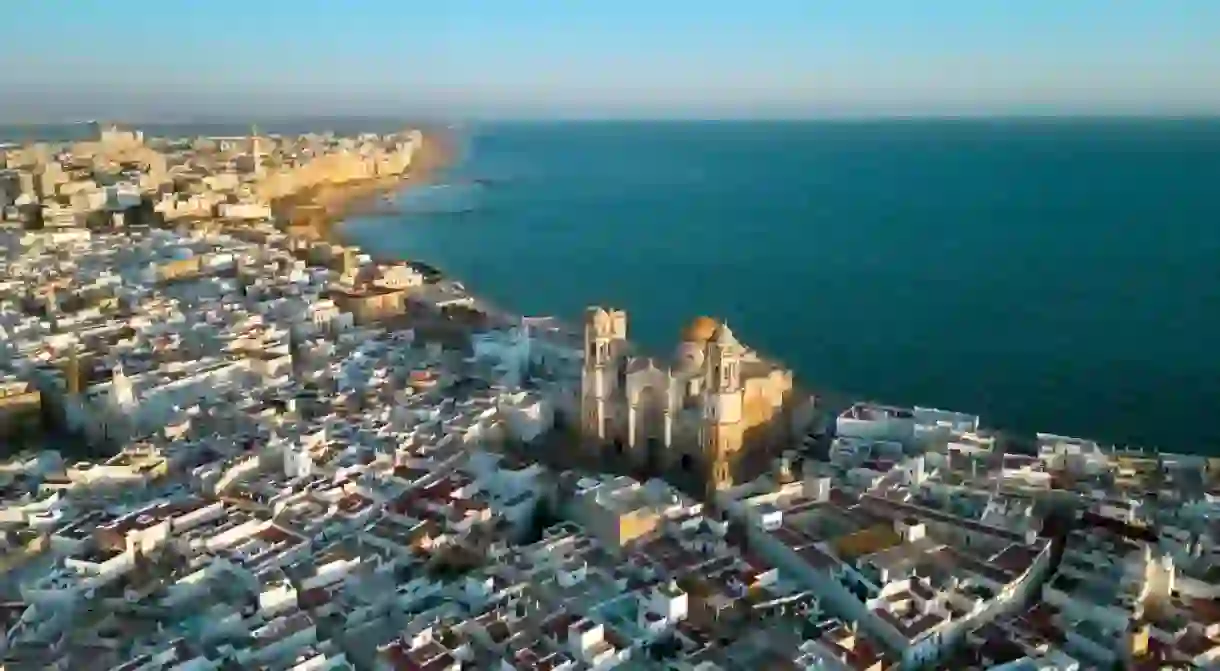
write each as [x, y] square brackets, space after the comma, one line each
[316, 213]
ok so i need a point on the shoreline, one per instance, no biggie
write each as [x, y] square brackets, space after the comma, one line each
[317, 213]
[320, 212]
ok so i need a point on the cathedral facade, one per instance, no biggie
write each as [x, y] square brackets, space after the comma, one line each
[706, 410]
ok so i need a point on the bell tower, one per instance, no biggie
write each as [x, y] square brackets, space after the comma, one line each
[722, 417]
[605, 333]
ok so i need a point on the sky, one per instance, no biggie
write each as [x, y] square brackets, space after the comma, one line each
[184, 59]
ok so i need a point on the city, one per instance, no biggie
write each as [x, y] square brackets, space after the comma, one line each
[233, 442]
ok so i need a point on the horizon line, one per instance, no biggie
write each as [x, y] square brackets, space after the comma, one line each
[427, 119]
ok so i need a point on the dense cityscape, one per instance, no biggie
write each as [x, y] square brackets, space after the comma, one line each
[233, 442]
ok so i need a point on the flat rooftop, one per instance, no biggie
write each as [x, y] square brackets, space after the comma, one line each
[871, 412]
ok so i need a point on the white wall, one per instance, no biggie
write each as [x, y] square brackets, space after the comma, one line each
[882, 428]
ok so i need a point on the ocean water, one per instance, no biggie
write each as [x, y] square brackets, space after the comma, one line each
[1049, 275]
[1055, 276]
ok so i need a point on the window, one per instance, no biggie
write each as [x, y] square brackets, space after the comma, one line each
[730, 374]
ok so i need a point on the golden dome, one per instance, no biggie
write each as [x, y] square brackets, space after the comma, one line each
[701, 330]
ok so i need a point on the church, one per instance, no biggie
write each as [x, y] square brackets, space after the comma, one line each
[716, 402]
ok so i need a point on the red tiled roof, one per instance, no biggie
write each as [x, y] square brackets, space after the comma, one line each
[313, 598]
[275, 534]
[353, 503]
[842, 498]
[1204, 611]
[557, 625]
[1192, 644]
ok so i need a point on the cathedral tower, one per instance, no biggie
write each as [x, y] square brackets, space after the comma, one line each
[722, 417]
[605, 336]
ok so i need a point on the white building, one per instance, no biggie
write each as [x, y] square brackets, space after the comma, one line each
[247, 211]
[876, 422]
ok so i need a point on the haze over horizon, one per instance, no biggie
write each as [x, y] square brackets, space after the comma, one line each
[145, 60]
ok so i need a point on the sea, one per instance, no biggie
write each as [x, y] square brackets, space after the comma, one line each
[1049, 275]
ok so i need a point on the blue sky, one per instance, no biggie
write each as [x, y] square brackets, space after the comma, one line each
[540, 58]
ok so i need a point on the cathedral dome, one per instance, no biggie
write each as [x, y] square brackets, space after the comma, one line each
[701, 330]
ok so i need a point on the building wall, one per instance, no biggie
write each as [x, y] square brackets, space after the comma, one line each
[613, 527]
[372, 307]
[885, 428]
[245, 211]
[20, 413]
[635, 524]
[333, 169]
[178, 268]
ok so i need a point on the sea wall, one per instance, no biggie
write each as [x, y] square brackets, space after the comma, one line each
[365, 163]
[319, 197]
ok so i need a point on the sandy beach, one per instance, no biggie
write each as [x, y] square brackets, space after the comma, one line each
[315, 212]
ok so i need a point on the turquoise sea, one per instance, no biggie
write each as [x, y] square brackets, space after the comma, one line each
[1049, 275]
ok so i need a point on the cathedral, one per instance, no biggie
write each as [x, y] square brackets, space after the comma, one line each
[705, 411]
